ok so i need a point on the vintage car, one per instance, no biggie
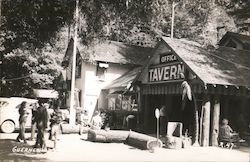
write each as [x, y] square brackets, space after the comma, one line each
[9, 115]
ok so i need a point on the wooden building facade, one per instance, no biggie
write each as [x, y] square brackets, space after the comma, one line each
[219, 81]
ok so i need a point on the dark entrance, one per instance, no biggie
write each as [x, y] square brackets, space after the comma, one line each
[175, 113]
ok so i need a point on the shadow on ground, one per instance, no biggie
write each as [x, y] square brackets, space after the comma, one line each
[8, 145]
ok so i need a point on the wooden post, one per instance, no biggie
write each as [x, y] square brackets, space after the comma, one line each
[196, 118]
[216, 119]
[0, 11]
[139, 102]
[206, 121]
[172, 21]
[145, 119]
[72, 93]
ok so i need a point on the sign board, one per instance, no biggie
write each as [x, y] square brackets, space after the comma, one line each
[167, 58]
[157, 113]
[166, 72]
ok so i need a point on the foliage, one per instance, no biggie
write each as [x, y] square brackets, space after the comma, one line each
[239, 9]
[33, 38]
[35, 21]
[28, 67]
[25, 69]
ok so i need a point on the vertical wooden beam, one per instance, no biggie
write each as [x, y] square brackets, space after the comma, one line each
[206, 120]
[146, 107]
[139, 102]
[0, 12]
[215, 121]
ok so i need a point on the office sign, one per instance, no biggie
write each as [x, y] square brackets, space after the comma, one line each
[167, 58]
[165, 73]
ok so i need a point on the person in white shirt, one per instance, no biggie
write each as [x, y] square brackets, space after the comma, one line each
[96, 122]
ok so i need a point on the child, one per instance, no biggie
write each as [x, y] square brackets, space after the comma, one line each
[84, 121]
[56, 119]
[96, 122]
[225, 135]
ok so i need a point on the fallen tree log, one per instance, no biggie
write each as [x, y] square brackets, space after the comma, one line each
[173, 142]
[71, 129]
[143, 141]
[115, 136]
[67, 128]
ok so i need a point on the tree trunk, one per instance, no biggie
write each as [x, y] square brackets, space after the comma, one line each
[206, 121]
[142, 141]
[196, 122]
[215, 124]
[68, 129]
[115, 136]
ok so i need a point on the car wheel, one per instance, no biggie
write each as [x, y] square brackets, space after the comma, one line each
[8, 126]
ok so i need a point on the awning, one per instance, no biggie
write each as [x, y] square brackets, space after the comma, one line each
[123, 83]
[45, 93]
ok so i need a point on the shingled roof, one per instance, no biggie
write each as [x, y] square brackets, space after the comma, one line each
[243, 39]
[110, 52]
[223, 66]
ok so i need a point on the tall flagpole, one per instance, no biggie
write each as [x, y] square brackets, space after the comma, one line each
[172, 21]
[72, 93]
[0, 12]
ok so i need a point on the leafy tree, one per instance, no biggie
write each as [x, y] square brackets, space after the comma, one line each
[31, 44]
[35, 21]
[26, 68]
[239, 9]
[31, 33]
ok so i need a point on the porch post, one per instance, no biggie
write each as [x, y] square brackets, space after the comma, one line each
[145, 118]
[215, 121]
[206, 120]
[139, 102]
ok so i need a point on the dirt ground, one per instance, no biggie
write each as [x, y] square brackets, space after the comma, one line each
[73, 147]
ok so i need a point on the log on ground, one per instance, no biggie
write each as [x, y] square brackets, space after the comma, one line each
[143, 141]
[115, 136]
[71, 129]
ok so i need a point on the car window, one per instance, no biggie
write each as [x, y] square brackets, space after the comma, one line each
[3, 103]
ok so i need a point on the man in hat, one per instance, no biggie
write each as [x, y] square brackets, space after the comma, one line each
[42, 123]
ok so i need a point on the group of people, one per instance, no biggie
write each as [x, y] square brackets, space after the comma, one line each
[226, 138]
[40, 121]
[40, 118]
[96, 122]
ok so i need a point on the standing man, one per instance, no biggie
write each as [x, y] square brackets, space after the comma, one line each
[33, 121]
[42, 123]
[24, 113]
[163, 121]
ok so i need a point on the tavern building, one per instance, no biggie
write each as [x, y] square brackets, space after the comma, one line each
[219, 80]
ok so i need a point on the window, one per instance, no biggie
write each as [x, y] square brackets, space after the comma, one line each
[101, 70]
